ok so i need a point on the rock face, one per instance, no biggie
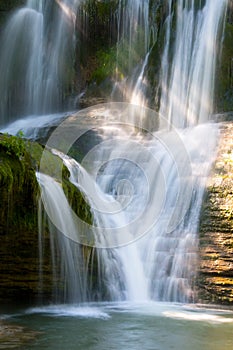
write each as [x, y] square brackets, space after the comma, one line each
[18, 221]
[215, 278]
[20, 268]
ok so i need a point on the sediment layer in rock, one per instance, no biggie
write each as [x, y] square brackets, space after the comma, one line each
[215, 279]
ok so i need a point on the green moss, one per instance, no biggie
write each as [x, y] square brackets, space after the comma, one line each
[13, 145]
[19, 193]
[6, 176]
[77, 201]
[106, 63]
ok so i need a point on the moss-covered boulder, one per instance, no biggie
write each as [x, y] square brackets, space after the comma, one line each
[18, 219]
[20, 193]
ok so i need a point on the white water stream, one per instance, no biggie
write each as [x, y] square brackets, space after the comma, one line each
[38, 42]
[134, 35]
[146, 209]
[188, 82]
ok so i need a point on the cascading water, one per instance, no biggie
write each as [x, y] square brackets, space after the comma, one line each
[36, 63]
[187, 80]
[145, 209]
[116, 279]
[134, 34]
[125, 284]
[140, 90]
[66, 256]
[21, 64]
[158, 182]
[153, 184]
[133, 28]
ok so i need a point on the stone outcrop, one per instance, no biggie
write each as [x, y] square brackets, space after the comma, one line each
[18, 219]
[19, 193]
[215, 278]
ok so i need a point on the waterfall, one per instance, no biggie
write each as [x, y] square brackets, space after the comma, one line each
[21, 64]
[36, 63]
[145, 194]
[133, 285]
[66, 257]
[134, 32]
[143, 180]
[187, 84]
[133, 28]
[140, 90]
[116, 277]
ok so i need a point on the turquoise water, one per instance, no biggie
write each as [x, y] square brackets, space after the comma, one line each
[151, 326]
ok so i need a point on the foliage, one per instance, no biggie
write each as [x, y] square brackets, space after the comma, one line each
[77, 201]
[13, 145]
[117, 61]
[106, 60]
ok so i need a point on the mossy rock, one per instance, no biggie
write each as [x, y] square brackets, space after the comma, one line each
[19, 191]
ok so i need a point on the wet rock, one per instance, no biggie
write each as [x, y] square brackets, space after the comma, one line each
[15, 337]
[20, 279]
[215, 279]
